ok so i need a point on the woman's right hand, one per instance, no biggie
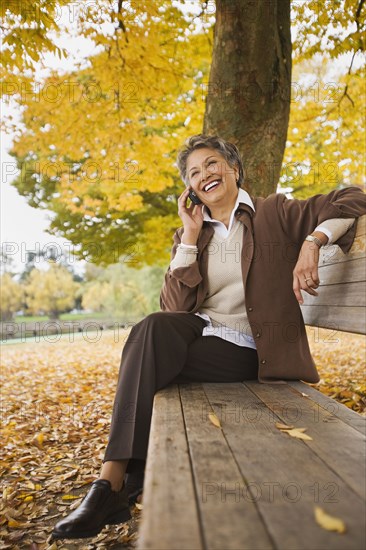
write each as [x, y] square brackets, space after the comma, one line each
[192, 218]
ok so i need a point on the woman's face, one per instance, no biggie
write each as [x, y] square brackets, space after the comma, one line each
[211, 177]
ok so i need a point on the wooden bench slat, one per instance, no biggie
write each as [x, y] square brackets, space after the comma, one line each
[169, 495]
[350, 417]
[361, 226]
[215, 471]
[342, 292]
[347, 294]
[333, 255]
[291, 468]
[344, 318]
[247, 485]
[350, 272]
[339, 445]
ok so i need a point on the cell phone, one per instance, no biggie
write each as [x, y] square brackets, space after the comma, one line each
[192, 195]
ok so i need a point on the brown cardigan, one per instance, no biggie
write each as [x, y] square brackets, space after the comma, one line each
[273, 236]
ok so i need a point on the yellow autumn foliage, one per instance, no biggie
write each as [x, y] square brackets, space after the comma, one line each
[325, 147]
[52, 291]
[100, 142]
[329, 522]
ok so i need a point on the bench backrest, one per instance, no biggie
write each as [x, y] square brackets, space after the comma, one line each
[341, 303]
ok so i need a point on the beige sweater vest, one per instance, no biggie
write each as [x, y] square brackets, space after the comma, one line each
[225, 300]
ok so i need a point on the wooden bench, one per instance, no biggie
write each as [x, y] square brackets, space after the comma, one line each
[247, 484]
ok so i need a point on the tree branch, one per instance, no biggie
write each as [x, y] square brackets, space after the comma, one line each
[203, 11]
[345, 91]
[358, 12]
[121, 24]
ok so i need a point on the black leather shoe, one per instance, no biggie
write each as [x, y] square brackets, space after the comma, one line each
[100, 507]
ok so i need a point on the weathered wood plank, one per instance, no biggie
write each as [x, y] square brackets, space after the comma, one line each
[350, 417]
[284, 476]
[169, 516]
[346, 294]
[346, 272]
[333, 255]
[218, 480]
[342, 293]
[335, 442]
[361, 226]
[346, 318]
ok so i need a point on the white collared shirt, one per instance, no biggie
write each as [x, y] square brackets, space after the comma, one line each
[220, 228]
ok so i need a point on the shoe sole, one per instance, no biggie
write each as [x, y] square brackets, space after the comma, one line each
[120, 517]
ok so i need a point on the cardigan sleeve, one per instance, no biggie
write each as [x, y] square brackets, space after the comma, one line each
[185, 255]
[179, 291]
[299, 218]
[335, 228]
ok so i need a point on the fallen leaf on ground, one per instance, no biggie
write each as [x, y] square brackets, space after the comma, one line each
[55, 427]
[281, 426]
[298, 433]
[65, 390]
[328, 522]
[293, 432]
[340, 361]
[14, 524]
[215, 421]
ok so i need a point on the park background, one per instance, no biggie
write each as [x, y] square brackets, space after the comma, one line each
[97, 98]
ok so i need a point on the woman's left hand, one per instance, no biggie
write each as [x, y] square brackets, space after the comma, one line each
[305, 274]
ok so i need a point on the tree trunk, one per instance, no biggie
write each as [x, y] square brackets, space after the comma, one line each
[248, 95]
[54, 315]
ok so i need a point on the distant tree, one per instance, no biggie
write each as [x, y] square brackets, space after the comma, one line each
[116, 292]
[6, 263]
[51, 292]
[121, 290]
[94, 295]
[149, 280]
[30, 264]
[11, 296]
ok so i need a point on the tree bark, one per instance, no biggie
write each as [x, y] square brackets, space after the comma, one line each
[248, 94]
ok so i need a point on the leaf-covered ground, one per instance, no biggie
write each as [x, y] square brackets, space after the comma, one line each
[56, 402]
[340, 358]
[56, 405]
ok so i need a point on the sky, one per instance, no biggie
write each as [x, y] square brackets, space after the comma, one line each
[22, 227]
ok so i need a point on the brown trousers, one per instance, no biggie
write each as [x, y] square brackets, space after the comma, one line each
[161, 349]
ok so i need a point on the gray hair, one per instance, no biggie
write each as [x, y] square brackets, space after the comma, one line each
[228, 150]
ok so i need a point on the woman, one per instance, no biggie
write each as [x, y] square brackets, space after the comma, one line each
[230, 304]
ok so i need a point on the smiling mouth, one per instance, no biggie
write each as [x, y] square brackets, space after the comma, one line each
[212, 185]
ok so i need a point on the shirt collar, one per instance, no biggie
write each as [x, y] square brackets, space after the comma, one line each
[243, 197]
